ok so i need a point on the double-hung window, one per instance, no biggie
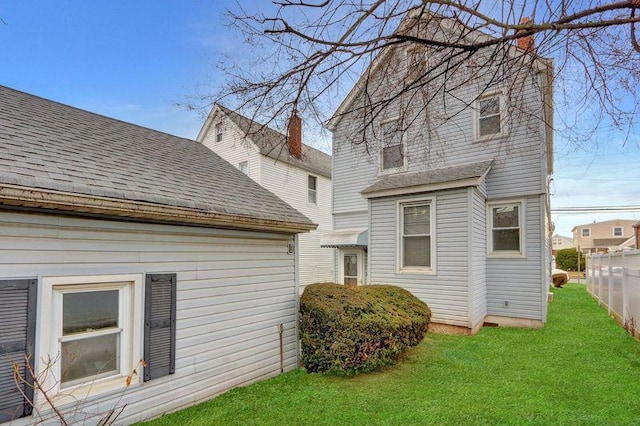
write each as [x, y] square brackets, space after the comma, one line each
[312, 189]
[244, 167]
[617, 231]
[93, 326]
[489, 117]
[506, 232]
[586, 232]
[392, 156]
[218, 132]
[415, 245]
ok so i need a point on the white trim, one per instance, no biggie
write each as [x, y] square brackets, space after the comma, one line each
[400, 269]
[621, 231]
[309, 202]
[360, 259]
[49, 323]
[504, 128]
[522, 207]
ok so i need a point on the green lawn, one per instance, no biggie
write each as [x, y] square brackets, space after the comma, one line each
[582, 368]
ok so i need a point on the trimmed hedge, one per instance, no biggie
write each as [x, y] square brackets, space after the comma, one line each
[567, 259]
[347, 330]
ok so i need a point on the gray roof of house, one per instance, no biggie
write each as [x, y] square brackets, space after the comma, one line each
[608, 242]
[48, 145]
[429, 177]
[273, 144]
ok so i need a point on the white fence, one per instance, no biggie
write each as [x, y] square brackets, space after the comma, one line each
[614, 279]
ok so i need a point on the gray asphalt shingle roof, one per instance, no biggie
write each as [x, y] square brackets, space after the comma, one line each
[429, 177]
[273, 144]
[48, 145]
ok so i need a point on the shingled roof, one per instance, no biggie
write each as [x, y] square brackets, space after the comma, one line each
[429, 180]
[272, 143]
[58, 157]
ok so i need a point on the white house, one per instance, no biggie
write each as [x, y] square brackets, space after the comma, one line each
[295, 172]
[120, 244]
[455, 210]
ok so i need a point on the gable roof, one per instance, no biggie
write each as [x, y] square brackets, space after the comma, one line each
[272, 143]
[429, 180]
[58, 157]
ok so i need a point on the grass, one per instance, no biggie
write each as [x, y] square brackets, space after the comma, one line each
[581, 368]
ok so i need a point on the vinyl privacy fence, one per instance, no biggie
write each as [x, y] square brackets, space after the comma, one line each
[614, 280]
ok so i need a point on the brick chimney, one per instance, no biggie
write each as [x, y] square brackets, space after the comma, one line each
[295, 136]
[526, 43]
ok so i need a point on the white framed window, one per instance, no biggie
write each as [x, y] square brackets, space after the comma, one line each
[617, 231]
[392, 149]
[416, 242]
[489, 116]
[312, 189]
[586, 232]
[91, 331]
[506, 230]
[244, 167]
[218, 132]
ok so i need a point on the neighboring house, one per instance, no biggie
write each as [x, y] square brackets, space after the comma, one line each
[295, 172]
[559, 242]
[602, 237]
[458, 216]
[120, 243]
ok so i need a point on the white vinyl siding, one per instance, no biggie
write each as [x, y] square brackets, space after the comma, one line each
[234, 289]
[291, 184]
[519, 281]
[478, 259]
[446, 291]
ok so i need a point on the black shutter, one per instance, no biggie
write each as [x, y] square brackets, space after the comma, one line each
[17, 341]
[160, 325]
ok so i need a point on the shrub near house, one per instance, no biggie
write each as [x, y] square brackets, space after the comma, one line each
[347, 330]
[567, 259]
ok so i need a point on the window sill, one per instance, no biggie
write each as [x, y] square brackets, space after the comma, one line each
[490, 138]
[78, 394]
[391, 171]
[506, 255]
[416, 271]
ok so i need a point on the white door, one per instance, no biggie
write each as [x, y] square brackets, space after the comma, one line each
[351, 266]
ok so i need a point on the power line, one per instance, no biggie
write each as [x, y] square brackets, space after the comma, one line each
[595, 209]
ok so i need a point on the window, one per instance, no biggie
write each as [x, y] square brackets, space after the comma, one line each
[489, 121]
[586, 232]
[392, 152]
[506, 233]
[94, 329]
[244, 167]
[617, 231]
[415, 231]
[417, 62]
[312, 186]
[219, 132]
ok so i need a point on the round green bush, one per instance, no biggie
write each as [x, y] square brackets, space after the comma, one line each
[347, 330]
[567, 259]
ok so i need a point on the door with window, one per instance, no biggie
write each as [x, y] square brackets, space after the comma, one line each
[351, 266]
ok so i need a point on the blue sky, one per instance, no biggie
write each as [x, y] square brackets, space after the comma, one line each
[135, 60]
